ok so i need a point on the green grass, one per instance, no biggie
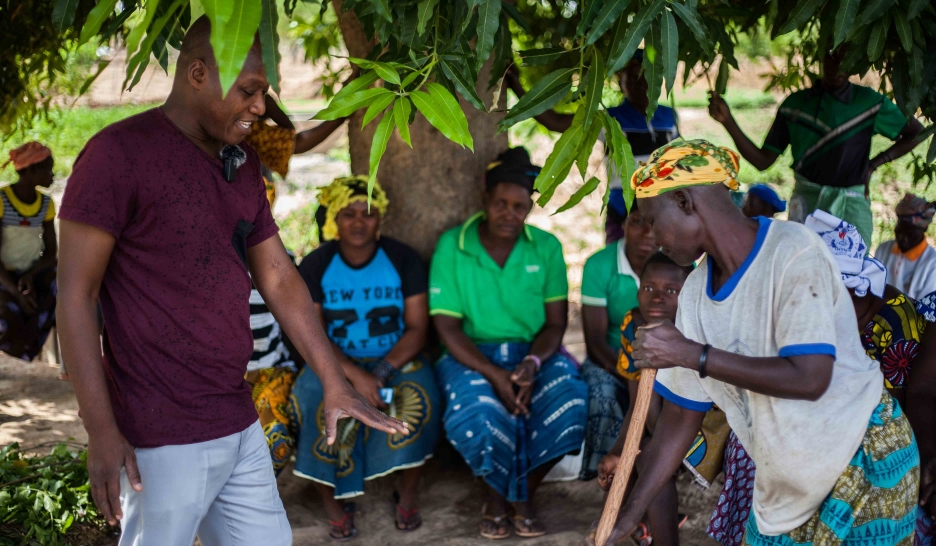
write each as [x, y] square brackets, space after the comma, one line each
[67, 131]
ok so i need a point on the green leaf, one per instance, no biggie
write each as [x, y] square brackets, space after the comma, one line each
[378, 147]
[916, 8]
[387, 73]
[608, 15]
[622, 157]
[514, 14]
[589, 13]
[801, 13]
[931, 152]
[653, 68]
[96, 18]
[903, 30]
[140, 60]
[383, 9]
[876, 41]
[488, 21]
[874, 10]
[377, 106]
[425, 10]
[503, 55]
[691, 18]
[401, 115]
[670, 45]
[136, 33]
[541, 97]
[589, 138]
[541, 56]
[845, 20]
[440, 116]
[269, 43]
[721, 81]
[341, 107]
[624, 50]
[586, 189]
[63, 14]
[465, 86]
[233, 27]
[560, 160]
[593, 85]
[448, 102]
[917, 62]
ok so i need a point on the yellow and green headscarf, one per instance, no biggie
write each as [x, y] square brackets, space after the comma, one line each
[341, 193]
[684, 163]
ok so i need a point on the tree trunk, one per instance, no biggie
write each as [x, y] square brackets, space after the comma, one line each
[436, 184]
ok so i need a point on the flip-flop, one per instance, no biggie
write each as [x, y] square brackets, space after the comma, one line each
[528, 522]
[641, 535]
[497, 520]
[342, 525]
[409, 518]
[683, 518]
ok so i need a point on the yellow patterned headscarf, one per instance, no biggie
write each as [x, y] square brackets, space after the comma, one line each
[684, 163]
[341, 193]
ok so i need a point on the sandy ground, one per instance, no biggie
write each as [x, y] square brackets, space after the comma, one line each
[36, 408]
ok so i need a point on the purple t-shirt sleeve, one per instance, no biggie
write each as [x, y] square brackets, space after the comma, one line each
[264, 224]
[101, 191]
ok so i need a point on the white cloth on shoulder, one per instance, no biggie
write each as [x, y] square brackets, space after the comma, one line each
[860, 271]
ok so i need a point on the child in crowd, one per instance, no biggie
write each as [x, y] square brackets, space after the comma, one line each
[660, 283]
[762, 200]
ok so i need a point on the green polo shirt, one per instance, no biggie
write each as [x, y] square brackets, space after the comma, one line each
[609, 281]
[497, 304]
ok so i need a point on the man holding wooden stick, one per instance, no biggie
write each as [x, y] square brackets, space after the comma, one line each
[766, 330]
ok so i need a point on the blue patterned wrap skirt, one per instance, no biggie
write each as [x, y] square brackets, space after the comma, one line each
[503, 448]
[361, 453]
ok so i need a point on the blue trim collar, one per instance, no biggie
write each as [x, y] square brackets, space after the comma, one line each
[735, 278]
[804, 349]
[693, 405]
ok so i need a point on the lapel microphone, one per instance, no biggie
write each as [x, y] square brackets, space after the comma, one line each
[233, 157]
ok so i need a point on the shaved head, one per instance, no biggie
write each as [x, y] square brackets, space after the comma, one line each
[198, 106]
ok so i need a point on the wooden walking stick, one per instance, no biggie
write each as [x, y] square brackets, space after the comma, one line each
[628, 456]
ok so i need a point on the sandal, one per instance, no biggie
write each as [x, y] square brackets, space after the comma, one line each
[410, 519]
[529, 523]
[641, 535]
[340, 531]
[683, 518]
[498, 522]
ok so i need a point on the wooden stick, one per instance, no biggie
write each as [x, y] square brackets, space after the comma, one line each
[626, 463]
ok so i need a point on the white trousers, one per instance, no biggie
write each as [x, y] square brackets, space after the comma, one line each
[224, 491]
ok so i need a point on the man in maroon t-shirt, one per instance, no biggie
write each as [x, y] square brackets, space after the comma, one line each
[153, 228]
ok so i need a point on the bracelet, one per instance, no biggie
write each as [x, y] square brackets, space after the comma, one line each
[384, 370]
[703, 360]
[536, 360]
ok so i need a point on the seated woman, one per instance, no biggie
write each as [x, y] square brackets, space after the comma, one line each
[498, 292]
[609, 290]
[371, 291]
[29, 252]
[890, 330]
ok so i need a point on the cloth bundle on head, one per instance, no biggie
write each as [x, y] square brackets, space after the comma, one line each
[917, 210]
[28, 154]
[683, 163]
[513, 166]
[341, 193]
[859, 272]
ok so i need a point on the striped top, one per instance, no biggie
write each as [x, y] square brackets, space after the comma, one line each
[22, 229]
[270, 349]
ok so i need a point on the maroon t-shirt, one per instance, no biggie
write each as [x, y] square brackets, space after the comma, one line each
[175, 296]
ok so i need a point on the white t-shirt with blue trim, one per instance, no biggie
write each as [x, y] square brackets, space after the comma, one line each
[786, 299]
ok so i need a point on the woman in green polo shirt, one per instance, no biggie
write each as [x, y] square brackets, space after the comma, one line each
[498, 295]
[609, 290]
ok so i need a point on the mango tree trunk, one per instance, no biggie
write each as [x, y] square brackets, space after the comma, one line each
[436, 184]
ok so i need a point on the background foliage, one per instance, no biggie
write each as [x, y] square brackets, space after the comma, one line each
[428, 52]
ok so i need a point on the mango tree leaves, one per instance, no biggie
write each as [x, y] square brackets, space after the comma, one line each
[845, 20]
[401, 116]
[915, 8]
[537, 57]
[541, 97]
[590, 134]
[377, 106]
[344, 106]
[559, 162]
[874, 10]
[442, 111]
[386, 71]
[593, 86]
[586, 189]
[801, 13]
[721, 81]
[455, 72]
[269, 42]
[876, 41]
[96, 18]
[488, 21]
[691, 19]
[624, 50]
[63, 14]
[382, 8]
[605, 18]
[378, 147]
[233, 25]
[904, 32]
[653, 68]
[621, 154]
[592, 7]
[670, 48]
[424, 11]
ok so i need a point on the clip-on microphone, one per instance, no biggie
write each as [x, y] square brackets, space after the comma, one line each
[233, 157]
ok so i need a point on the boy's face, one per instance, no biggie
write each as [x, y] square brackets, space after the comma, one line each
[659, 292]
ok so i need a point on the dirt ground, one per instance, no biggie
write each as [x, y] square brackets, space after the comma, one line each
[36, 408]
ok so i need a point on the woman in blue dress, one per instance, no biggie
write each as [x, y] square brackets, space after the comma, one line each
[371, 291]
[515, 404]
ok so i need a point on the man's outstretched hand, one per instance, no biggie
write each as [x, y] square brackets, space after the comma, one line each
[341, 400]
